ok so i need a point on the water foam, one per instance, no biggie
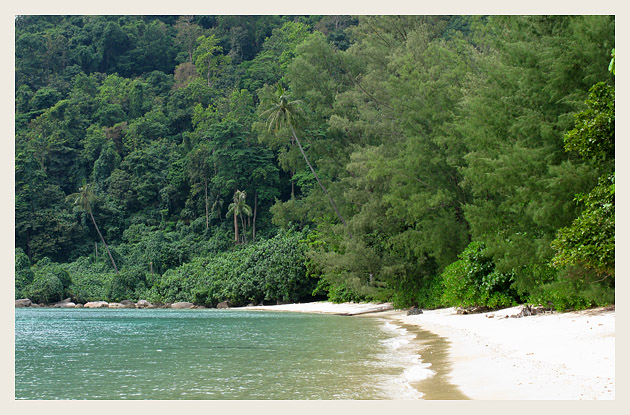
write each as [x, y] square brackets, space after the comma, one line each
[404, 355]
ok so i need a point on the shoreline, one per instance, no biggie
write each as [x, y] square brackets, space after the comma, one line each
[552, 356]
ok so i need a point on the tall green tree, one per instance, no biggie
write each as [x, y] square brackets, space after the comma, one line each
[285, 113]
[209, 58]
[590, 240]
[84, 199]
[534, 76]
[200, 172]
[237, 209]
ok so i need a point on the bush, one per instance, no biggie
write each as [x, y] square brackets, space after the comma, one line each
[127, 285]
[90, 281]
[338, 293]
[50, 284]
[46, 289]
[473, 281]
[271, 270]
[90, 286]
[23, 273]
[575, 289]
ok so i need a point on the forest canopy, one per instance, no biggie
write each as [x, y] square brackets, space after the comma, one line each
[425, 160]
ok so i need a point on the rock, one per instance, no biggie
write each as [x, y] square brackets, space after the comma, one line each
[528, 310]
[96, 304]
[127, 304]
[414, 311]
[62, 303]
[473, 310]
[115, 305]
[224, 304]
[144, 304]
[79, 305]
[23, 302]
[182, 305]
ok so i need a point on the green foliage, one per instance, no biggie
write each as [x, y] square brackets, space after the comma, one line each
[91, 281]
[23, 273]
[594, 134]
[271, 270]
[590, 240]
[575, 288]
[337, 293]
[422, 132]
[45, 289]
[51, 283]
[474, 281]
[130, 284]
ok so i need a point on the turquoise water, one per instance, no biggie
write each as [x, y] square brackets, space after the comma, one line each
[209, 354]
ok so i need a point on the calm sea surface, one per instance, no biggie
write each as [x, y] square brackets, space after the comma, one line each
[210, 354]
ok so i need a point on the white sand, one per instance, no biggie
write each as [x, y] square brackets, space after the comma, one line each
[325, 307]
[566, 356]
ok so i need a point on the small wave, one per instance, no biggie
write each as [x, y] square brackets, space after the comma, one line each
[404, 354]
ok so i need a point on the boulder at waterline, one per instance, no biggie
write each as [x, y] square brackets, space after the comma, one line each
[67, 303]
[144, 304]
[182, 304]
[224, 304]
[23, 302]
[96, 304]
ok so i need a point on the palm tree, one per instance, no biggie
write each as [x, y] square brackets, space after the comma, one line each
[288, 113]
[237, 208]
[84, 200]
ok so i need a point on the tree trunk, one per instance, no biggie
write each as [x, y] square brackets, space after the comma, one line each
[104, 243]
[243, 230]
[206, 188]
[235, 229]
[332, 202]
[254, 220]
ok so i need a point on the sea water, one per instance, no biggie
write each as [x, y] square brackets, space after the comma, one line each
[211, 354]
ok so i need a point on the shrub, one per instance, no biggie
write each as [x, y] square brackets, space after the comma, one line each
[271, 270]
[50, 284]
[91, 286]
[127, 285]
[575, 288]
[473, 281]
[46, 289]
[23, 273]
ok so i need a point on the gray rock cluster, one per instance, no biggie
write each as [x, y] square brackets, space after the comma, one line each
[414, 311]
[67, 303]
[529, 310]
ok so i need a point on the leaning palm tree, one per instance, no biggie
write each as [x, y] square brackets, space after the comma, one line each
[288, 113]
[237, 208]
[84, 199]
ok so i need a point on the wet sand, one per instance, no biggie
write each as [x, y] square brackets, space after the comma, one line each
[490, 356]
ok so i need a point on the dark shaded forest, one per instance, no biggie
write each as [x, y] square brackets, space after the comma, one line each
[426, 160]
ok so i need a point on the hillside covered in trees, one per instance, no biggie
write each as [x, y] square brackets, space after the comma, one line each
[425, 160]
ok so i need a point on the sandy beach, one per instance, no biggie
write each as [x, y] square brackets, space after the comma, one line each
[551, 356]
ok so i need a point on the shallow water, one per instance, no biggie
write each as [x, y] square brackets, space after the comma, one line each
[211, 354]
